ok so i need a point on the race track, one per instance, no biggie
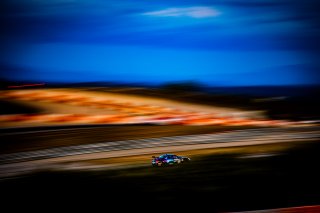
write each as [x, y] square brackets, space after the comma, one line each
[28, 161]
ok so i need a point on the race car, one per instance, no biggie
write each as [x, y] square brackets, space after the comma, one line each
[169, 159]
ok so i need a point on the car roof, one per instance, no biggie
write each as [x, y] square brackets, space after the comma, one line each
[164, 155]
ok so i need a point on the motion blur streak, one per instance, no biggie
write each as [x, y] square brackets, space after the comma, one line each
[299, 209]
[152, 145]
[110, 110]
[26, 85]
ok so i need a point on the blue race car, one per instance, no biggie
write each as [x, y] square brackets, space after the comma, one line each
[169, 159]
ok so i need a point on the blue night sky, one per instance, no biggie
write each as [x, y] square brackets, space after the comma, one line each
[218, 42]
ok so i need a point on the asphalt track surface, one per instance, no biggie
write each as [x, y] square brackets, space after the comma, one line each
[262, 135]
[15, 162]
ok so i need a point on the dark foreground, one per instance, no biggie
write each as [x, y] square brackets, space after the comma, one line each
[219, 183]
